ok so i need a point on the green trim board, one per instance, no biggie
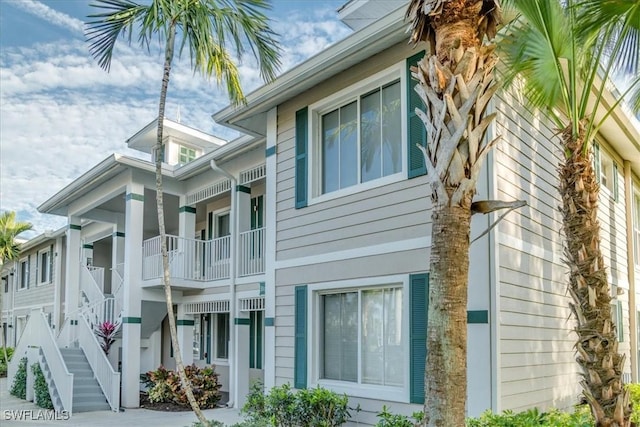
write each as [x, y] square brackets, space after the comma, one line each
[118, 234]
[133, 320]
[262, 288]
[87, 246]
[187, 209]
[243, 189]
[134, 196]
[185, 322]
[270, 151]
[75, 227]
[241, 321]
[269, 321]
[477, 316]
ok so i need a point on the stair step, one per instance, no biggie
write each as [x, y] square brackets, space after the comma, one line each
[91, 406]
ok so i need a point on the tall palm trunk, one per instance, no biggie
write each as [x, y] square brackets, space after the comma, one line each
[455, 85]
[597, 345]
[166, 280]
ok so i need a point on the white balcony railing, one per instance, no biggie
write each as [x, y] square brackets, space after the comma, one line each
[204, 260]
[98, 275]
[88, 284]
[189, 259]
[251, 252]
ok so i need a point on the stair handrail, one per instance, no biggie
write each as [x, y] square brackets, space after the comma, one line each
[37, 333]
[104, 373]
[89, 286]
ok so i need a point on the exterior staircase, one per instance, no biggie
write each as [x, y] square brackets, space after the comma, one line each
[87, 394]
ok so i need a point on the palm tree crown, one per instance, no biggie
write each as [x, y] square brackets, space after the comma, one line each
[9, 230]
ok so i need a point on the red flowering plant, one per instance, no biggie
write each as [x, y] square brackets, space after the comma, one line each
[106, 332]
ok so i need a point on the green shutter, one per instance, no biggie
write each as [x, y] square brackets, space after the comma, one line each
[416, 132]
[259, 338]
[300, 363]
[419, 305]
[252, 340]
[28, 270]
[615, 181]
[302, 121]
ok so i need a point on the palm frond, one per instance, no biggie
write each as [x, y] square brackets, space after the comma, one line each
[103, 30]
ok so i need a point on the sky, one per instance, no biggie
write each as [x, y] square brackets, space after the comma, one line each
[61, 114]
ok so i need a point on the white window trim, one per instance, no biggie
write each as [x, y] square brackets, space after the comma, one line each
[217, 213]
[635, 224]
[336, 100]
[19, 275]
[604, 190]
[370, 391]
[39, 269]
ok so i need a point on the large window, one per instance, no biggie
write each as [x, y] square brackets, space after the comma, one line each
[361, 336]
[606, 171]
[362, 140]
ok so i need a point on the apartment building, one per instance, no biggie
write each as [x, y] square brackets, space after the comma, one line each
[299, 253]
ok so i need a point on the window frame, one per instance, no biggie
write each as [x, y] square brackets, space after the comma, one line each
[314, 338]
[340, 99]
[603, 156]
[47, 267]
[21, 275]
[214, 342]
[188, 157]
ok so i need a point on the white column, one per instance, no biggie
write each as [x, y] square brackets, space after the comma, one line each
[59, 283]
[270, 251]
[241, 371]
[186, 219]
[184, 326]
[87, 253]
[72, 269]
[117, 255]
[131, 320]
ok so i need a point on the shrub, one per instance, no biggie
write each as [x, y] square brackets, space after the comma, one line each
[3, 365]
[387, 419]
[634, 398]
[165, 386]
[41, 389]
[19, 386]
[106, 333]
[282, 407]
[581, 417]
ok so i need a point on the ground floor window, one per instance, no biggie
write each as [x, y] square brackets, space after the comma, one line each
[361, 336]
[222, 335]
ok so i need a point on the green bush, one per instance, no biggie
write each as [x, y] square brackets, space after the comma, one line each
[581, 417]
[164, 386]
[634, 398]
[42, 396]
[19, 386]
[282, 407]
[387, 419]
[3, 365]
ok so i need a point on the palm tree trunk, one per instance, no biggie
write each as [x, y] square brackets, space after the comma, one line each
[597, 345]
[186, 384]
[446, 373]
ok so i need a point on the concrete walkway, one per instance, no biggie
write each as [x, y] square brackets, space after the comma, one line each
[12, 408]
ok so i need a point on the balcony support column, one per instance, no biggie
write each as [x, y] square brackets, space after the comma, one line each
[184, 325]
[132, 294]
[186, 219]
[117, 256]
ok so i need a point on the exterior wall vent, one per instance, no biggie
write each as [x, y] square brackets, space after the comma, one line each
[252, 304]
[253, 174]
[220, 306]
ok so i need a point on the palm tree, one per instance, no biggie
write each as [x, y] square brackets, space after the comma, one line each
[206, 29]
[9, 251]
[455, 83]
[566, 52]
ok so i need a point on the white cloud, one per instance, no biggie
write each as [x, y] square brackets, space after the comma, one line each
[43, 11]
[62, 114]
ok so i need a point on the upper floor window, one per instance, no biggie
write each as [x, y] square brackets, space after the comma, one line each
[186, 154]
[23, 274]
[357, 134]
[606, 171]
[44, 266]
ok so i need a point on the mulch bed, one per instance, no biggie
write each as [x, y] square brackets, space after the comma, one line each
[170, 406]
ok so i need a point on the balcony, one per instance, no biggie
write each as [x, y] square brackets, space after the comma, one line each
[197, 261]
